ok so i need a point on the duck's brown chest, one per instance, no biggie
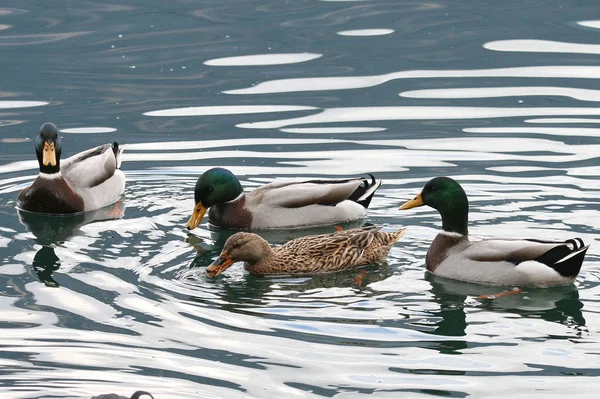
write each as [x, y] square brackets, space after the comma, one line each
[50, 196]
[441, 247]
[231, 215]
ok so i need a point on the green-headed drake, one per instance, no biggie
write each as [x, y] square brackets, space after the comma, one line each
[520, 262]
[86, 181]
[281, 205]
[322, 253]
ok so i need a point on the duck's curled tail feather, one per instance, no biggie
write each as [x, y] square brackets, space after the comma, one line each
[118, 151]
[364, 193]
[567, 258]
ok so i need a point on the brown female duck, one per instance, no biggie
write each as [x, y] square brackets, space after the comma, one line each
[305, 255]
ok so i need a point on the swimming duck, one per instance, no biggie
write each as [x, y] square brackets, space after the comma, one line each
[520, 262]
[281, 205]
[84, 182]
[341, 250]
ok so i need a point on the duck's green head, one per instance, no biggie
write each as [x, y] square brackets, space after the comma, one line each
[48, 147]
[215, 186]
[450, 200]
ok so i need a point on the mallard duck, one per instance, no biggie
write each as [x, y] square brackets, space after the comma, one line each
[341, 250]
[517, 262]
[84, 182]
[282, 205]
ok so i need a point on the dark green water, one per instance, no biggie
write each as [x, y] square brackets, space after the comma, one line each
[499, 95]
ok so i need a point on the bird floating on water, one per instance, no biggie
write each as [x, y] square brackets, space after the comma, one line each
[280, 205]
[86, 181]
[341, 250]
[497, 261]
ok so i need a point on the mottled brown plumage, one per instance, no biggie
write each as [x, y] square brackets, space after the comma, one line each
[305, 255]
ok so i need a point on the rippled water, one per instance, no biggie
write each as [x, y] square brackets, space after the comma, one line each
[501, 96]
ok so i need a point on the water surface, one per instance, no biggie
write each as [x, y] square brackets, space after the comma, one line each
[501, 96]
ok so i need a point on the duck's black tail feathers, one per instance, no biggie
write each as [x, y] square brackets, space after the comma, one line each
[567, 258]
[138, 394]
[364, 193]
[117, 151]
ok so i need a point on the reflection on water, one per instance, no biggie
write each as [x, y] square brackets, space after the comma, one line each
[366, 32]
[500, 96]
[542, 46]
[52, 230]
[263, 59]
[44, 263]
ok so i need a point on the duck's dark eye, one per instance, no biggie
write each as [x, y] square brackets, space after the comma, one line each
[210, 189]
[433, 188]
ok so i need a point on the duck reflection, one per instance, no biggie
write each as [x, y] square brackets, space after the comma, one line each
[44, 263]
[556, 304]
[52, 230]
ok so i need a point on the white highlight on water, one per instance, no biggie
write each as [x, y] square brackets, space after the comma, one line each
[227, 110]
[333, 130]
[517, 91]
[264, 59]
[360, 82]
[362, 114]
[562, 120]
[542, 46]
[82, 130]
[21, 104]
[590, 24]
[366, 32]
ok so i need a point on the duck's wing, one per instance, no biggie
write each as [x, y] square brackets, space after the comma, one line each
[92, 167]
[315, 192]
[346, 245]
[565, 257]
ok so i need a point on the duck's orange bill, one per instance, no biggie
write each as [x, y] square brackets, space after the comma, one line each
[49, 154]
[197, 215]
[413, 203]
[219, 266]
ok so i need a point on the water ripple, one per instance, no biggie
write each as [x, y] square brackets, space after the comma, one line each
[227, 110]
[366, 32]
[360, 82]
[518, 91]
[362, 114]
[263, 59]
[542, 46]
[93, 303]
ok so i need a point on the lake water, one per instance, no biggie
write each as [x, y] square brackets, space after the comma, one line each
[502, 96]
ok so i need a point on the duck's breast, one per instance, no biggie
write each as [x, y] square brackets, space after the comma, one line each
[50, 195]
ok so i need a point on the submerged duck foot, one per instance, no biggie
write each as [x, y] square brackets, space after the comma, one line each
[514, 291]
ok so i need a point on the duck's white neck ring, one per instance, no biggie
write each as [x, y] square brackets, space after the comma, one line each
[236, 198]
[451, 234]
[50, 176]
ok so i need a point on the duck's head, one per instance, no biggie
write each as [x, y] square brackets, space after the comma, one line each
[48, 148]
[247, 247]
[448, 198]
[215, 186]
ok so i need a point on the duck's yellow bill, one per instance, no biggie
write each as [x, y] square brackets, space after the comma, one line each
[219, 266]
[197, 215]
[49, 155]
[413, 203]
